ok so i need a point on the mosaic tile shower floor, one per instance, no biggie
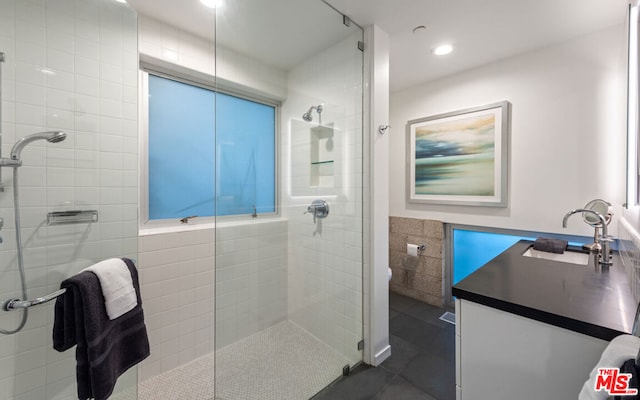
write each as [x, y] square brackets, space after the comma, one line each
[283, 362]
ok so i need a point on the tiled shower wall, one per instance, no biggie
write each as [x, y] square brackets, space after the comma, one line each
[169, 44]
[419, 277]
[251, 278]
[71, 66]
[177, 278]
[176, 284]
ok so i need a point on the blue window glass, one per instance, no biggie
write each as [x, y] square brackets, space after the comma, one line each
[245, 150]
[185, 154]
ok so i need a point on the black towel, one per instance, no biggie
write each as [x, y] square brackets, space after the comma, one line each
[105, 348]
[549, 245]
[630, 367]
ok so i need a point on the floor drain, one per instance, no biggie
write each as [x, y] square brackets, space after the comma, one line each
[448, 317]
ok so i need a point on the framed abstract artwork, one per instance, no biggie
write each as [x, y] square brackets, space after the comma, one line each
[460, 158]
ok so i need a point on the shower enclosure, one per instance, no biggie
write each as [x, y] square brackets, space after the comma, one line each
[258, 296]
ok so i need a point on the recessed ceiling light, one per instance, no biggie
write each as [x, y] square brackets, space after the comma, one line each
[121, 1]
[212, 3]
[443, 50]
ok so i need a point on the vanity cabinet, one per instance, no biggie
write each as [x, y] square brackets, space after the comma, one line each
[500, 355]
[529, 328]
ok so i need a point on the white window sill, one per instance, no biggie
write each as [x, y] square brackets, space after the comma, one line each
[196, 225]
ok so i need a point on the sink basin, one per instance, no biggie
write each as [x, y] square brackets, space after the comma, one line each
[572, 257]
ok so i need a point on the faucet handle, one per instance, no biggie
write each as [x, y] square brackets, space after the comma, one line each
[319, 209]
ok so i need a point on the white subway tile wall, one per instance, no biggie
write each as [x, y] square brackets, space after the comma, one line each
[72, 66]
[164, 42]
[176, 278]
[251, 279]
[177, 284]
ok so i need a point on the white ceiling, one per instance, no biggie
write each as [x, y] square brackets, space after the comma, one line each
[482, 31]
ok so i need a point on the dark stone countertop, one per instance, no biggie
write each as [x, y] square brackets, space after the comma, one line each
[581, 298]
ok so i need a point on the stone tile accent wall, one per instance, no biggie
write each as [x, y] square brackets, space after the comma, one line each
[420, 277]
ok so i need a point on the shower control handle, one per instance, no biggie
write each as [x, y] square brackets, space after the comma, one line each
[319, 209]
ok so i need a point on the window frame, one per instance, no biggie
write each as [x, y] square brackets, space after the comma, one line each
[633, 104]
[208, 82]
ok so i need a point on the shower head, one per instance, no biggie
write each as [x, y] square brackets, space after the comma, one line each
[51, 137]
[307, 116]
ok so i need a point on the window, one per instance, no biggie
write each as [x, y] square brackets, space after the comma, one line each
[208, 153]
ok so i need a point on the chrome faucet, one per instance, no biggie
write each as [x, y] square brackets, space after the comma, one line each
[604, 240]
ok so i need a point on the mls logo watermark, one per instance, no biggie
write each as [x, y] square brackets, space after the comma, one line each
[614, 382]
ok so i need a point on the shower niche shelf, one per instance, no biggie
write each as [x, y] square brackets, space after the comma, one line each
[322, 156]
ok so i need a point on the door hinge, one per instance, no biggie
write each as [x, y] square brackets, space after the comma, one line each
[361, 345]
[360, 45]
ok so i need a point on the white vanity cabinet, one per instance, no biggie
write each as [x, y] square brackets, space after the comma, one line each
[504, 356]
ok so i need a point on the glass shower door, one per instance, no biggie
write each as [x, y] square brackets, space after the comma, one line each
[288, 264]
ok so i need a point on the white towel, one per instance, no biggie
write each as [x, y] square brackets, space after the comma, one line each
[117, 286]
[617, 352]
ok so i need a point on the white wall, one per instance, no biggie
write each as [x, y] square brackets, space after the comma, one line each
[567, 132]
[376, 280]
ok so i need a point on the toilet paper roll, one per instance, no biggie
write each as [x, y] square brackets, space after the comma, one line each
[412, 250]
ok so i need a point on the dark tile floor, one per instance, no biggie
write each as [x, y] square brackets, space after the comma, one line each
[422, 362]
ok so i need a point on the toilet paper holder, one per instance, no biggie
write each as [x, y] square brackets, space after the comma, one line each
[415, 250]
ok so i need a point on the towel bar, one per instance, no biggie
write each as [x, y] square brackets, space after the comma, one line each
[14, 304]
